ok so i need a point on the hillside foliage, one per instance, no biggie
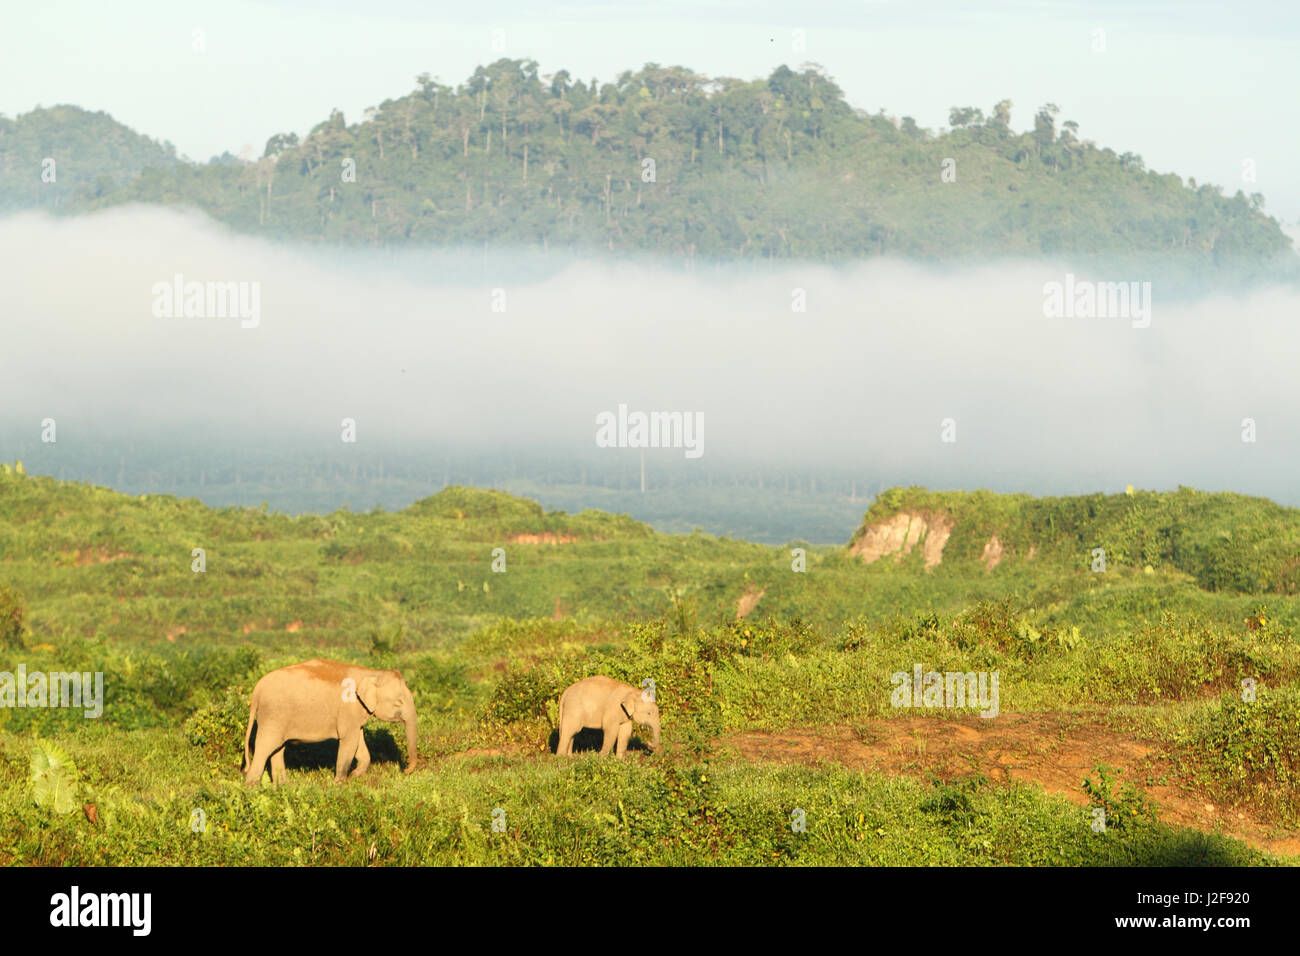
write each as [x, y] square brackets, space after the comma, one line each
[666, 161]
[1159, 645]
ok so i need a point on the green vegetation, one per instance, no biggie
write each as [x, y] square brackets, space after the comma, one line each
[1247, 749]
[94, 156]
[755, 502]
[1154, 650]
[667, 161]
[1226, 542]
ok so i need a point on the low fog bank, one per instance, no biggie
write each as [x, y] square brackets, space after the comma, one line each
[480, 352]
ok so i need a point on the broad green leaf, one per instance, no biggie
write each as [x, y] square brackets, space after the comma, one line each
[54, 778]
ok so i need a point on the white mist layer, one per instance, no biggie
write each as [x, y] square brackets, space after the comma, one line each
[864, 378]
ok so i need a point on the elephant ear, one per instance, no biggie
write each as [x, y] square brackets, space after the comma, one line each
[368, 692]
[629, 701]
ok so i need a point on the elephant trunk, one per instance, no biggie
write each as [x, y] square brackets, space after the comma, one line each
[654, 727]
[412, 738]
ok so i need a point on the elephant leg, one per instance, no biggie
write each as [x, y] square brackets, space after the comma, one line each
[363, 757]
[565, 745]
[609, 734]
[624, 735]
[347, 751]
[267, 742]
[277, 766]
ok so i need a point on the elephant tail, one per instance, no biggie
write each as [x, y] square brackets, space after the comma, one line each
[248, 734]
[559, 712]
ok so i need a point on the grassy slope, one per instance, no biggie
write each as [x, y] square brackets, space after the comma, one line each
[107, 585]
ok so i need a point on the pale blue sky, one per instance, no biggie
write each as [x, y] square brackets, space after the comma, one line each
[1194, 87]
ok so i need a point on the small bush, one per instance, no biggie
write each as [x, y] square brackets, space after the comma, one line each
[773, 640]
[11, 618]
[521, 697]
[1004, 626]
[1251, 744]
[1124, 806]
[219, 727]
[952, 803]
[179, 682]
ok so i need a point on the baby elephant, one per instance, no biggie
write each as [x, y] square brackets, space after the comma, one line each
[321, 700]
[610, 705]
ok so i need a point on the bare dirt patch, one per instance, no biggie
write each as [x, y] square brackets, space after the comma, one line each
[903, 532]
[83, 557]
[748, 601]
[546, 537]
[1054, 751]
[993, 552]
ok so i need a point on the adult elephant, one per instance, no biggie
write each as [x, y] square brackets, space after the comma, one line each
[321, 700]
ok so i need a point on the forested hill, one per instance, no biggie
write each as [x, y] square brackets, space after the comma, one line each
[93, 156]
[667, 161]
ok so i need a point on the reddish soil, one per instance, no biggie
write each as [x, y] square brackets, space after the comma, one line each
[748, 601]
[546, 537]
[1054, 751]
[87, 556]
[899, 534]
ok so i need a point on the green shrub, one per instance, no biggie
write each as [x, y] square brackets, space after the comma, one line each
[11, 618]
[523, 696]
[180, 681]
[859, 633]
[1004, 625]
[1125, 806]
[773, 639]
[219, 727]
[1250, 747]
[952, 802]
